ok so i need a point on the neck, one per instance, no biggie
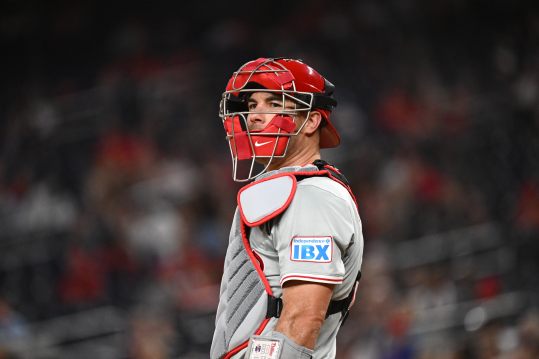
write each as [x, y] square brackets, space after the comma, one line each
[300, 157]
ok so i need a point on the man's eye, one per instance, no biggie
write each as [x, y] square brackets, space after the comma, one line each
[276, 104]
[251, 106]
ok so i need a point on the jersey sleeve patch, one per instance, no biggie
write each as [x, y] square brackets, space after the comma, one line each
[263, 200]
[317, 249]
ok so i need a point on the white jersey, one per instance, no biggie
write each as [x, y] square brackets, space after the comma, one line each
[318, 238]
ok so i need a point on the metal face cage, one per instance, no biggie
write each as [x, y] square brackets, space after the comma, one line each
[234, 113]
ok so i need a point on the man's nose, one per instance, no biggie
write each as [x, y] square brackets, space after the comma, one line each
[256, 117]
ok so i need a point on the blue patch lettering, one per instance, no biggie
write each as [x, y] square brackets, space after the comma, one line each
[311, 249]
[322, 252]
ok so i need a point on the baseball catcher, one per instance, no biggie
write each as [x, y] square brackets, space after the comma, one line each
[296, 245]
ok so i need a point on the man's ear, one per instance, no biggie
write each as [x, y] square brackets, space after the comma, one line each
[312, 123]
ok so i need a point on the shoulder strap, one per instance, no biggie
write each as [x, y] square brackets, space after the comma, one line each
[336, 175]
[333, 171]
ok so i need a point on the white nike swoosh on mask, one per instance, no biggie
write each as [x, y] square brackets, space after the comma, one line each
[257, 144]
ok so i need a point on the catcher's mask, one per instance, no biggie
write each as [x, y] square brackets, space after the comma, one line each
[289, 82]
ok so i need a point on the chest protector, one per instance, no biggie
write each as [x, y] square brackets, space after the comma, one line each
[247, 303]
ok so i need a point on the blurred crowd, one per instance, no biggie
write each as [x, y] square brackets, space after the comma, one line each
[116, 192]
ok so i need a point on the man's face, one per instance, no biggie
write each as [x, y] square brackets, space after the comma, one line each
[263, 106]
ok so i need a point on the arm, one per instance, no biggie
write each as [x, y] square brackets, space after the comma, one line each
[304, 311]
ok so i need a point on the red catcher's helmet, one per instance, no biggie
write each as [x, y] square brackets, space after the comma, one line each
[289, 79]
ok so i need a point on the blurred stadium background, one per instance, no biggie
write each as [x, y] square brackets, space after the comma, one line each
[115, 186]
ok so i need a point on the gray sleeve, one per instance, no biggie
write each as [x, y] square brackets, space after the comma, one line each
[312, 236]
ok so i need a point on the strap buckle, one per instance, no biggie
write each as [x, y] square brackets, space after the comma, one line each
[275, 307]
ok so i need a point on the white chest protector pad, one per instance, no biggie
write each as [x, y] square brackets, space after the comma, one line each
[263, 200]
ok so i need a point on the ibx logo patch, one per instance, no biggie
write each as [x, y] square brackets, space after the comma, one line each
[311, 249]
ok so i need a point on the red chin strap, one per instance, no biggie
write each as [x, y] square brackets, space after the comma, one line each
[268, 142]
